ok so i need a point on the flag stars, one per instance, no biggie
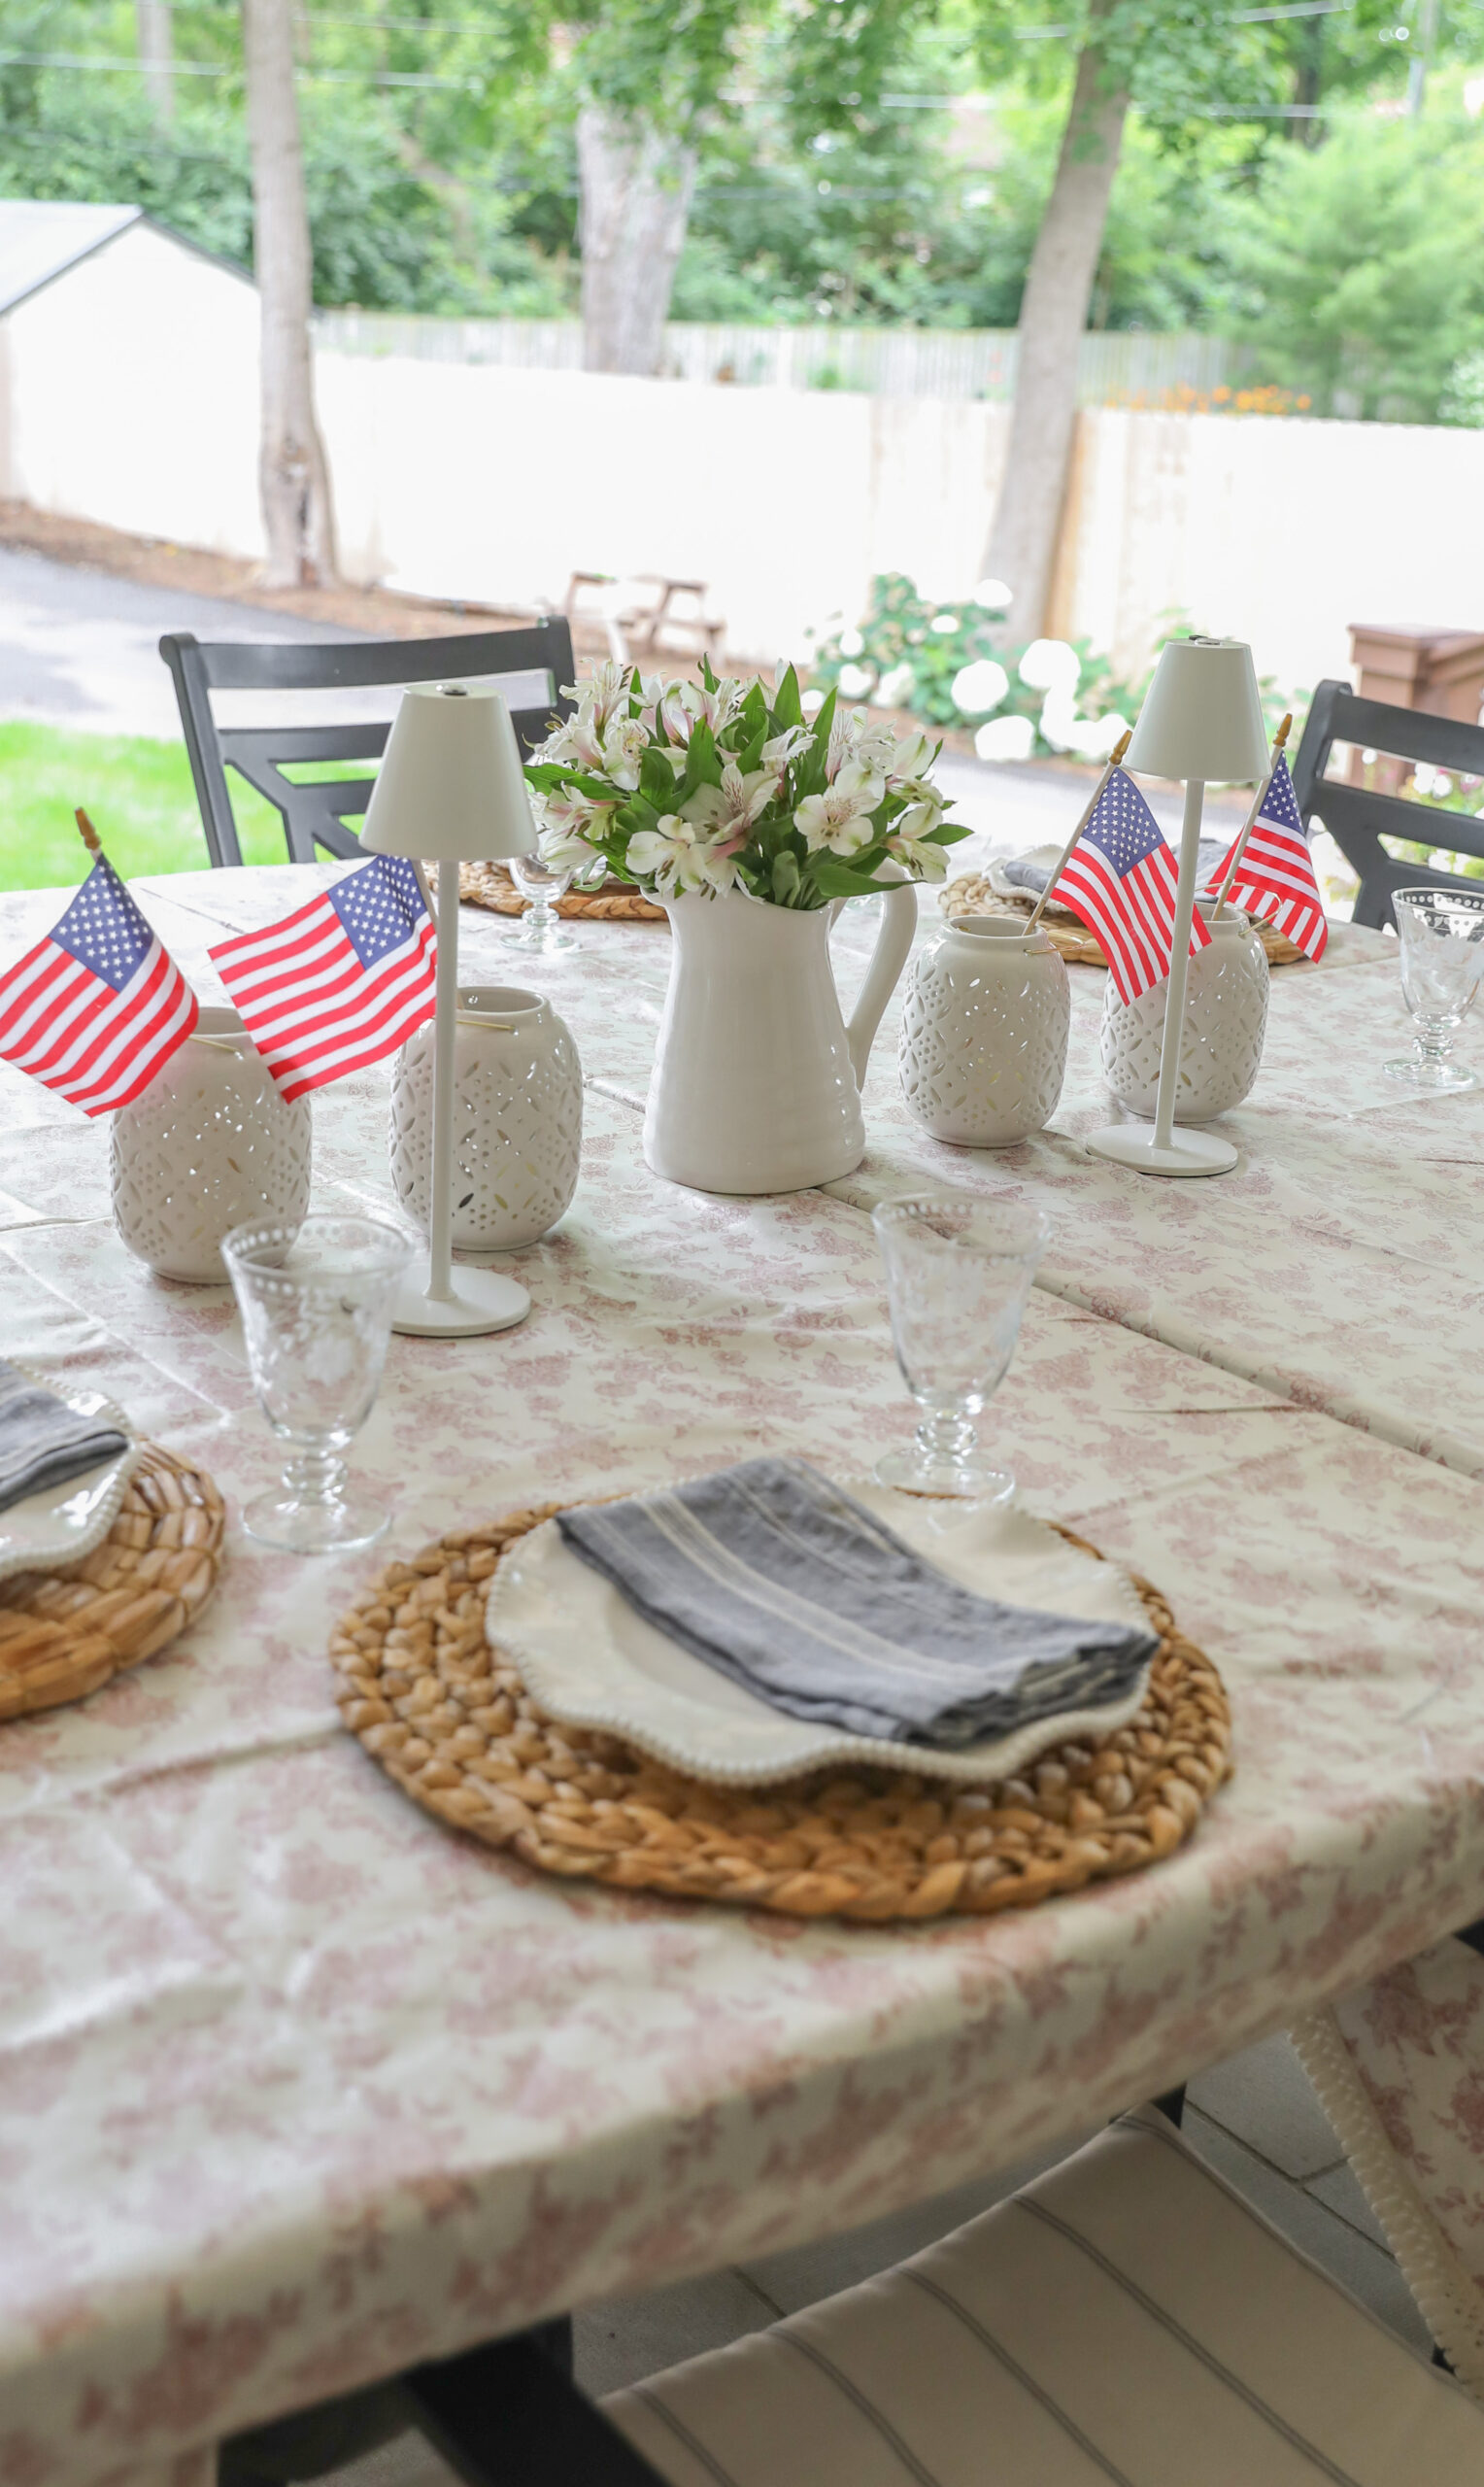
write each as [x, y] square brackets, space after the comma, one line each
[103, 929]
[378, 906]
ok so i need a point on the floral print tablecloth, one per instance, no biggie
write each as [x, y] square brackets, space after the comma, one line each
[296, 2088]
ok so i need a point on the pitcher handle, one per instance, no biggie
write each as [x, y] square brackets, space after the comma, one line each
[893, 946]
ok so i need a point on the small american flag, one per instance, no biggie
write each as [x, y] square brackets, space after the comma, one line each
[1275, 878]
[1121, 878]
[341, 981]
[99, 1005]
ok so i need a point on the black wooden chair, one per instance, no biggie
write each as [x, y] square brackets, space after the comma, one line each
[1358, 819]
[315, 814]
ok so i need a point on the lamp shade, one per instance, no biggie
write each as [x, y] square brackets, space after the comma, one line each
[450, 788]
[1202, 717]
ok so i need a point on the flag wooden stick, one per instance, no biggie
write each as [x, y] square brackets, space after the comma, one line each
[1258, 800]
[1119, 749]
[86, 831]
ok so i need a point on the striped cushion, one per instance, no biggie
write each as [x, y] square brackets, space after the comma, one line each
[1127, 2318]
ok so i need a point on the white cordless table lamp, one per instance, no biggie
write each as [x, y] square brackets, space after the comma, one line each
[449, 789]
[1202, 720]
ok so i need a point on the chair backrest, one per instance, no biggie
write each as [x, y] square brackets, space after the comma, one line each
[314, 814]
[1357, 817]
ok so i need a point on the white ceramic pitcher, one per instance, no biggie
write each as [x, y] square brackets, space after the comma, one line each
[757, 1079]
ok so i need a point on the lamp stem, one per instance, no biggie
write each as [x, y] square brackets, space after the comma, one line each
[440, 1285]
[1174, 999]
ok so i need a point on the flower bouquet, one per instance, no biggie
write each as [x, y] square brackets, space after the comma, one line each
[712, 787]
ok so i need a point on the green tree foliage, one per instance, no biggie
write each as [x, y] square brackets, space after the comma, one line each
[1364, 260]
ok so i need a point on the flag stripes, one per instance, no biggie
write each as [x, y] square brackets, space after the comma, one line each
[95, 1010]
[339, 983]
[1121, 879]
[1275, 878]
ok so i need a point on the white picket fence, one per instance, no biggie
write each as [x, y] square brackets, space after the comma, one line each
[1117, 365]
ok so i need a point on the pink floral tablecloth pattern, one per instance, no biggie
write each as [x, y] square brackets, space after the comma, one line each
[296, 2088]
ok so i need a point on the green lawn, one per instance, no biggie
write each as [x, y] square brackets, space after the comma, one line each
[137, 792]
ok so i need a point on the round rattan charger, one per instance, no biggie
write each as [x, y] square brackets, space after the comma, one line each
[450, 1720]
[63, 1634]
[615, 903]
[973, 894]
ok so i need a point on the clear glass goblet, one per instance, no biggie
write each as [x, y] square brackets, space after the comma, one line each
[543, 883]
[315, 1301]
[1441, 934]
[958, 1275]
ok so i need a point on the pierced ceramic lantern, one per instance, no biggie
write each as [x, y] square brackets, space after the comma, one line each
[206, 1146]
[1220, 1042]
[983, 1046]
[518, 1120]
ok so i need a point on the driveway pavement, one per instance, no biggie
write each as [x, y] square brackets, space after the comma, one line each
[80, 649]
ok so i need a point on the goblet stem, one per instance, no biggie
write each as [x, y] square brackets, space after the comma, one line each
[314, 1476]
[945, 1439]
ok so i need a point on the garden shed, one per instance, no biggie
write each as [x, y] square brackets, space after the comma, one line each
[128, 375]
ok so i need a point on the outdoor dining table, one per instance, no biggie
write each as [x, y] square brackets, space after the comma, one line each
[298, 2087]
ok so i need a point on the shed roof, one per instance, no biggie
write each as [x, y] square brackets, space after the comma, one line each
[40, 238]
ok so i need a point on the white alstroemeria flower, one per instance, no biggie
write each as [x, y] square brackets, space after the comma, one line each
[782, 748]
[680, 856]
[861, 779]
[623, 745]
[732, 806]
[565, 847]
[927, 861]
[853, 735]
[688, 704]
[606, 691]
[910, 755]
[917, 820]
[841, 817]
[567, 823]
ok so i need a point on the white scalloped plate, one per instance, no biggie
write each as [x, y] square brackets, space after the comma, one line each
[591, 1661]
[65, 1523]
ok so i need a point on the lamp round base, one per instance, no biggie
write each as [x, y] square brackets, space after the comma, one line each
[1189, 1151]
[482, 1300]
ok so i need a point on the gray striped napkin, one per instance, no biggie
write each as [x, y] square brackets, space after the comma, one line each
[781, 1582]
[43, 1442]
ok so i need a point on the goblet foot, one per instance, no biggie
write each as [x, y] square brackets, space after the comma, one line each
[1420, 1071]
[310, 1513]
[917, 1472]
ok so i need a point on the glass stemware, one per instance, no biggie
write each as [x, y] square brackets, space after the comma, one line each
[316, 1300]
[958, 1275]
[1441, 936]
[543, 883]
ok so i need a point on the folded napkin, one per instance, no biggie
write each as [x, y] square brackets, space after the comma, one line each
[43, 1442]
[1028, 872]
[781, 1582]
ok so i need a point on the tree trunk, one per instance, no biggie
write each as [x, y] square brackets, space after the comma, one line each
[637, 185]
[293, 478]
[156, 57]
[1059, 289]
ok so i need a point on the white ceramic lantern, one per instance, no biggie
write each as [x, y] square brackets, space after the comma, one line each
[1221, 1038]
[206, 1146]
[518, 1120]
[983, 1046]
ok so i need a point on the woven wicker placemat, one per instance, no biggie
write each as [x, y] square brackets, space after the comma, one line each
[62, 1634]
[972, 895]
[450, 1720]
[616, 902]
